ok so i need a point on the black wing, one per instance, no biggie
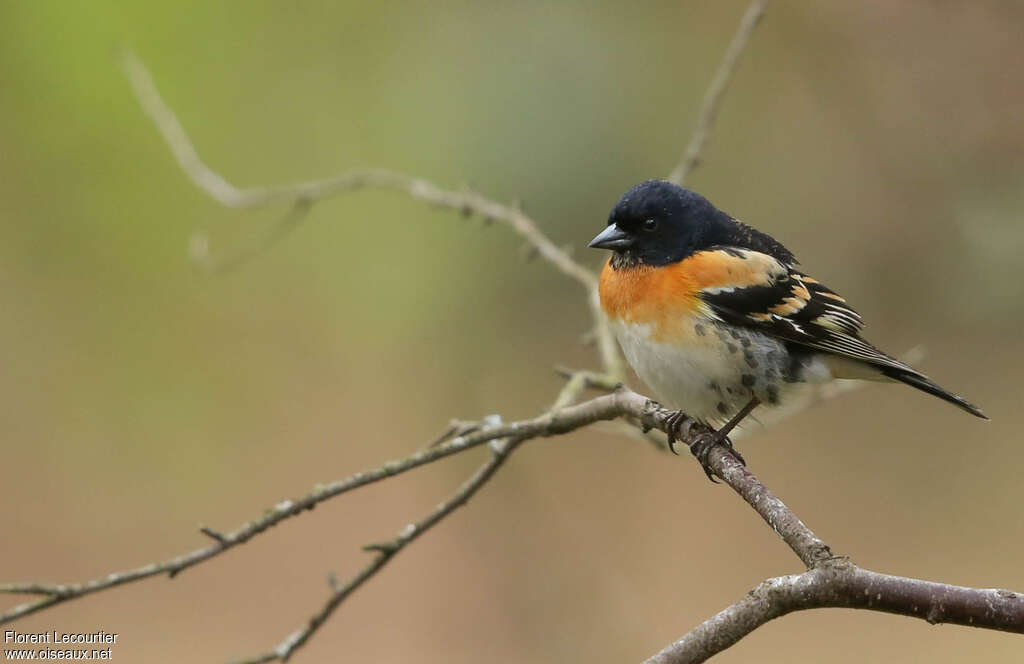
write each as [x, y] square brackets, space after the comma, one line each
[789, 305]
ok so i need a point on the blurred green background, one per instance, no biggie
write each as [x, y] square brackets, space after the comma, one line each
[881, 141]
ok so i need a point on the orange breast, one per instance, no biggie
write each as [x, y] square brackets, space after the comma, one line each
[646, 294]
[668, 297]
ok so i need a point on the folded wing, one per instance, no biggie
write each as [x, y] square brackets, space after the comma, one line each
[791, 306]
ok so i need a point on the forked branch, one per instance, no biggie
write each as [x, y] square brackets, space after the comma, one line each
[829, 581]
[302, 195]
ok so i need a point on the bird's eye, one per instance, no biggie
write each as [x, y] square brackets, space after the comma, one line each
[650, 224]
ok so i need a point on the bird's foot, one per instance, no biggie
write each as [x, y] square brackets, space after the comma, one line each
[678, 425]
[703, 444]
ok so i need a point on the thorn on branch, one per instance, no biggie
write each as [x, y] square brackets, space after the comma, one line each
[387, 548]
[456, 429]
[213, 534]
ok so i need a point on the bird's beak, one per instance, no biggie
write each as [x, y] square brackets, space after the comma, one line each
[612, 237]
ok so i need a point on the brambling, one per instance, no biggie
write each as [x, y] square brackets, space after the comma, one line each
[715, 318]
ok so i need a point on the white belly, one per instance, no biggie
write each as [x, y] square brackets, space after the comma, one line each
[712, 374]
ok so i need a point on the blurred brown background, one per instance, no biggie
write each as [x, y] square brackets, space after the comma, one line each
[881, 141]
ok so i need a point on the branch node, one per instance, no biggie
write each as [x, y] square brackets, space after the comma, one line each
[499, 446]
[492, 421]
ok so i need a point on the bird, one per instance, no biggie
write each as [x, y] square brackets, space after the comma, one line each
[717, 319]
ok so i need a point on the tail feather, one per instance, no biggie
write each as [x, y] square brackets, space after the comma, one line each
[923, 383]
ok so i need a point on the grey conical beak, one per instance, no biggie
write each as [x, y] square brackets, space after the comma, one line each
[612, 237]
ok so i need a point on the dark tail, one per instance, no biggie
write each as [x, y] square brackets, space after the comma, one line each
[922, 383]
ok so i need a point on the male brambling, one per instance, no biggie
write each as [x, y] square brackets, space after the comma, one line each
[715, 318]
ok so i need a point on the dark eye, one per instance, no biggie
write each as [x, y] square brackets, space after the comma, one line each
[650, 224]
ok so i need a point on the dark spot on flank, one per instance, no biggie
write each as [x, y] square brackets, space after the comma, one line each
[751, 361]
[745, 342]
[700, 330]
[722, 408]
[798, 361]
[773, 393]
[714, 386]
[731, 346]
[748, 380]
[730, 390]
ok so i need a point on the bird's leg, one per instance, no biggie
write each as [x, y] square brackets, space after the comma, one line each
[702, 444]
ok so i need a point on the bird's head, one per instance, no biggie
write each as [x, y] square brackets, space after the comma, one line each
[658, 223]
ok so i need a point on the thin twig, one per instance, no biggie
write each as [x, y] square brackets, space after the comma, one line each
[304, 194]
[34, 589]
[910, 597]
[285, 509]
[715, 92]
[540, 426]
[829, 580]
[500, 450]
[312, 191]
[385, 551]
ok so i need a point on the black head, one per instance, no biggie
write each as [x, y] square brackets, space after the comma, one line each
[658, 223]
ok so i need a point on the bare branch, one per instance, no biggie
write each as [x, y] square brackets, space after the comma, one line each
[844, 585]
[55, 594]
[33, 589]
[715, 92]
[467, 202]
[387, 550]
[804, 543]
[285, 509]
[500, 450]
[304, 194]
[830, 581]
